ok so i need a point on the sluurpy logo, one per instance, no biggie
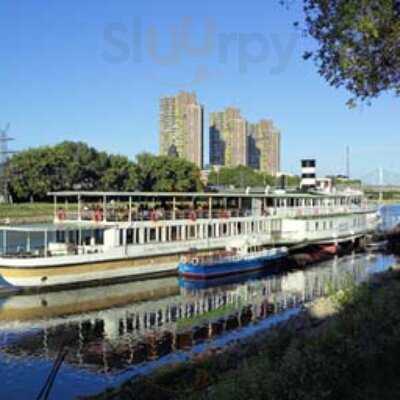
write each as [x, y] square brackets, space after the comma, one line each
[208, 52]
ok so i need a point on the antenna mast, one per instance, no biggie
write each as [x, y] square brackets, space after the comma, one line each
[348, 162]
[4, 153]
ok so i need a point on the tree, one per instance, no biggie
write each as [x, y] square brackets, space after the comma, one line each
[84, 166]
[76, 166]
[240, 176]
[119, 175]
[166, 174]
[357, 44]
[67, 166]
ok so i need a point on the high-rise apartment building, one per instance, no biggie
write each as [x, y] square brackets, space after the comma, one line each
[264, 147]
[228, 141]
[181, 127]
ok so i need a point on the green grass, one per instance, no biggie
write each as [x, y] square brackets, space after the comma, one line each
[26, 210]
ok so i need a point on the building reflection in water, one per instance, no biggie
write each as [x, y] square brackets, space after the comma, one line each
[108, 329]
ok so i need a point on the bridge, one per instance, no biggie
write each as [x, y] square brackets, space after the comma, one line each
[382, 185]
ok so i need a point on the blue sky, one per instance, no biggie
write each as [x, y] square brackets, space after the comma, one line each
[88, 70]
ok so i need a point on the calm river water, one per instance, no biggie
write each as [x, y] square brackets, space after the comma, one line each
[116, 332]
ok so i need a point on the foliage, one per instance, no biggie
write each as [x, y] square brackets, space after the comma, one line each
[76, 166]
[357, 44]
[240, 176]
[293, 181]
[352, 183]
[167, 174]
[119, 175]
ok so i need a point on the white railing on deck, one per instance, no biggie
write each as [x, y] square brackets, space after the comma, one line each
[192, 215]
[318, 211]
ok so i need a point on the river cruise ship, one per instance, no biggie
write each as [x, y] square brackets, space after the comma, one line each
[98, 236]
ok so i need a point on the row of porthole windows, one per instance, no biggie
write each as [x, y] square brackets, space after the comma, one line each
[177, 233]
[329, 225]
[319, 226]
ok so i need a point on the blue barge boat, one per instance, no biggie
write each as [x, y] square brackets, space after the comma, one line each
[209, 267]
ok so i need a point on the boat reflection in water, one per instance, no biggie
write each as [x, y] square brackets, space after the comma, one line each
[107, 329]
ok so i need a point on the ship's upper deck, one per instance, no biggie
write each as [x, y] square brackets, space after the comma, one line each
[111, 207]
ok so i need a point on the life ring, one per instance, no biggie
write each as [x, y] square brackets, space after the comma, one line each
[61, 215]
[153, 216]
[193, 216]
[98, 216]
[225, 214]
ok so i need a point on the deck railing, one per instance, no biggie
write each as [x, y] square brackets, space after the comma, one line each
[157, 215]
[318, 211]
[190, 214]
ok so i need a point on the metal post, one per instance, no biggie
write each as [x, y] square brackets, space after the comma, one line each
[79, 208]
[130, 210]
[105, 208]
[55, 206]
[80, 237]
[45, 243]
[4, 242]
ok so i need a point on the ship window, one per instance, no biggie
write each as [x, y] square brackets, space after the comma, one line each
[331, 224]
[324, 228]
[72, 237]
[121, 237]
[308, 164]
[224, 229]
[99, 236]
[174, 233]
[153, 235]
[192, 232]
[60, 237]
[317, 226]
[210, 231]
[86, 240]
[129, 236]
[136, 235]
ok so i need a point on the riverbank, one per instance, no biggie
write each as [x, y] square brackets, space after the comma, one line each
[26, 213]
[346, 346]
